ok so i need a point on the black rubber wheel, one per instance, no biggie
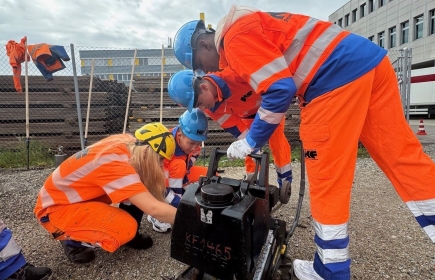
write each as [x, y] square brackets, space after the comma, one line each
[285, 192]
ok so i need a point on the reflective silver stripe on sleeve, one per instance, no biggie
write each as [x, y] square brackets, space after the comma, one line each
[11, 249]
[176, 183]
[298, 40]
[270, 117]
[314, 52]
[63, 184]
[243, 135]
[121, 182]
[223, 119]
[333, 255]
[265, 72]
[170, 196]
[330, 232]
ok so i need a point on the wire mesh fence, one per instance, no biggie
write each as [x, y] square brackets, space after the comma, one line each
[113, 91]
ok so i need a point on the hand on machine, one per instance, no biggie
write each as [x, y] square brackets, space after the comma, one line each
[224, 229]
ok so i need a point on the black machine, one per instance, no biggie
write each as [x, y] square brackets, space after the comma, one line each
[224, 229]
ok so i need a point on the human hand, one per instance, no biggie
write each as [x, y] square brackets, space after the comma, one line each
[239, 149]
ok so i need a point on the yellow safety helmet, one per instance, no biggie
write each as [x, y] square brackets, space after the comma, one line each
[158, 137]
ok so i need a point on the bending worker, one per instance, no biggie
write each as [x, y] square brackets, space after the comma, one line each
[180, 170]
[348, 92]
[74, 203]
[234, 108]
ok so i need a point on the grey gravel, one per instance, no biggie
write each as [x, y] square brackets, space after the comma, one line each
[386, 241]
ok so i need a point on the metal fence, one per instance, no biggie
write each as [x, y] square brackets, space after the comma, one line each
[402, 61]
[112, 90]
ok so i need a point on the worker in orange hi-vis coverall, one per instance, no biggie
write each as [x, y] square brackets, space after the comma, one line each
[234, 111]
[74, 204]
[180, 170]
[348, 92]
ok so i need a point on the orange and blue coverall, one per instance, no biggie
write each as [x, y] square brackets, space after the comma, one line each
[48, 58]
[235, 111]
[16, 52]
[348, 92]
[180, 171]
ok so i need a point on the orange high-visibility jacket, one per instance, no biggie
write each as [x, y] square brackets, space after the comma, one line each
[237, 101]
[82, 178]
[16, 52]
[283, 54]
[48, 58]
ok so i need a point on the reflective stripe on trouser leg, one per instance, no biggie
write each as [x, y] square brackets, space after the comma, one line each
[395, 148]
[330, 128]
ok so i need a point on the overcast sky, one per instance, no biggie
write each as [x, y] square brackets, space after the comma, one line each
[139, 24]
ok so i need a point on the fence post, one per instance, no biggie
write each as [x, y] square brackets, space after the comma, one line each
[129, 92]
[161, 83]
[408, 63]
[89, 102]
[26, 84]
[76, 89]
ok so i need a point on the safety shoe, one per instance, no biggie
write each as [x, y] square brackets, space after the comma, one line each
[140, 242]
[31, 272]
[304, 270]
[76, 252]
[159, 226]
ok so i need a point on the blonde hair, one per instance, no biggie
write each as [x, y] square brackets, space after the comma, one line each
[144, 159]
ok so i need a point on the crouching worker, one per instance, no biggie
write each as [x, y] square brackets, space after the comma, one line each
[180, 169]
[74, 205]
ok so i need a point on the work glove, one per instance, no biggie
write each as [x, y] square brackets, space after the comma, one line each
[239, 149]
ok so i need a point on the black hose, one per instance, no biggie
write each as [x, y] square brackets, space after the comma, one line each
[301, 197]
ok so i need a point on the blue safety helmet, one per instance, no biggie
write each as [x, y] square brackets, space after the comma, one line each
[185, 41]
[180, 89]
[194, 125]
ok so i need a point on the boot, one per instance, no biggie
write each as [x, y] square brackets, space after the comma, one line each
[76, 252]
[31, 272]
[140, 242]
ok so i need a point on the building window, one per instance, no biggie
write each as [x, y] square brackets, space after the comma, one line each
[381, 39]
[340, 22]
[354, 15]
[381, 3]
[371, 38]
[405, 32]
[346, 20]
[371, 6]
[418, 21]
[362, 11]
[392, 32]
[432, 22]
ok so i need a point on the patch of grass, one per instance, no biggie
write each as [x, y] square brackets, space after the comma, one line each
[39, 155]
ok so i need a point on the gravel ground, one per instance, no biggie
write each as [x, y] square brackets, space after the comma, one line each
[386, 241]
